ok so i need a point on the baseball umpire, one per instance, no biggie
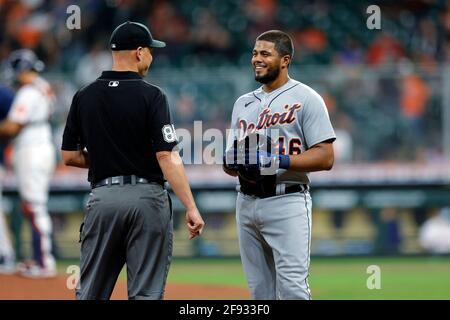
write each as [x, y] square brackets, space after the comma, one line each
[120, 128]
[273, 211]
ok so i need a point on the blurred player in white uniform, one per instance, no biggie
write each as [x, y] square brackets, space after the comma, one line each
[34, 156]
[7, 255]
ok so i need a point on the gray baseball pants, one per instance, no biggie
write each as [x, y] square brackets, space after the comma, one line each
[128, 224]
[274, 240]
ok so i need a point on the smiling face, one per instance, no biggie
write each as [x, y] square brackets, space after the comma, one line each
[266, 62]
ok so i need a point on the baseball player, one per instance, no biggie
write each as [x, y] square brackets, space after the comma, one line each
[34, 155]
[7, 255]
[120, 128]
[274, 214]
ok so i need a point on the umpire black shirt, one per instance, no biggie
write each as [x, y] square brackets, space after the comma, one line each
[122, 121]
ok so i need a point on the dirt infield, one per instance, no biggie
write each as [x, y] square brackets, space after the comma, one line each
[17, 288]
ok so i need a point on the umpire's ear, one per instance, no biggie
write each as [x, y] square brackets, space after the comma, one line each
[139, 53]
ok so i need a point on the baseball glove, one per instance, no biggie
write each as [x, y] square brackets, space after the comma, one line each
[255, 151]
[256, 161]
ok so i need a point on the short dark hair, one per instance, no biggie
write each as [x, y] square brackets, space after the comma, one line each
[283, 42]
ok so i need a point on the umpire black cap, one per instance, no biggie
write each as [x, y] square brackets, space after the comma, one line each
[130, 35]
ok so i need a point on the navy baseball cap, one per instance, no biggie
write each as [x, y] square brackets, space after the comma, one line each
[23, 60]
[130, 35]
[19, 61]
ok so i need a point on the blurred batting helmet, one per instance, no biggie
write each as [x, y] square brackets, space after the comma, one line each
[21, 60]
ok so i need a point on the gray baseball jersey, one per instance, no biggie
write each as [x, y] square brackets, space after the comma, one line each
[294, 114]
[275, 232]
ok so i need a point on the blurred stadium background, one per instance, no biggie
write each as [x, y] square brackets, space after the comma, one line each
[387, 91]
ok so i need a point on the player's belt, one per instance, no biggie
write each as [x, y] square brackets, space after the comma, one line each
[287, 189]
[279, 190]
[121, 180]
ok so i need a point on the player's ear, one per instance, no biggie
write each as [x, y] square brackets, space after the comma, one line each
[285, 61]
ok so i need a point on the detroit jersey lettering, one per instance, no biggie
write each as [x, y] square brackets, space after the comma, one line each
[297, 112]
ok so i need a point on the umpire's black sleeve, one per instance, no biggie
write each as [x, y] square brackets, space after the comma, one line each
[71, 136]
[163, 133]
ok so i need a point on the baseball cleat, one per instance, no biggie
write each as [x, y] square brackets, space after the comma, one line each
[34, 271]
[7, 265]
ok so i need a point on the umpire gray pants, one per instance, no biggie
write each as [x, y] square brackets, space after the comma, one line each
[132, 225]
[274, 240]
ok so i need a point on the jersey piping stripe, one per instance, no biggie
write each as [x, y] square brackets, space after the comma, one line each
[256, 96]
[303, 133]
[281, 93]
[309, 248]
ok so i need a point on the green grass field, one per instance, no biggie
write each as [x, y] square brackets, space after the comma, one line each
[338, 278]
[402, 278]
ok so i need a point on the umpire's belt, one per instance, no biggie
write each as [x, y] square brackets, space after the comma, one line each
[121, 180]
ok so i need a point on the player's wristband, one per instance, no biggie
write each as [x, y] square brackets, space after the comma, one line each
[284, 161]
